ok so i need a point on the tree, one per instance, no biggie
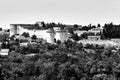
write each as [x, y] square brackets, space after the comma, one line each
[89, 25]
[85, 28]
[75, 37]
[109, 29]
[98, 25]
[84, 35]
[71, 30]
[49, 25]
[36, 26]
[8, 30]
[60, 25]
[4, 36]
[43, 24]
[68, 61]
[58, 42]
[34, 37]
[75, 26]
[0, 29]
[26, 34]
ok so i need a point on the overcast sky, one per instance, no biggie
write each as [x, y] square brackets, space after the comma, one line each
[81, 12]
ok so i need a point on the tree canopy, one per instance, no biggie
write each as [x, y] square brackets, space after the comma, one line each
[63, 61]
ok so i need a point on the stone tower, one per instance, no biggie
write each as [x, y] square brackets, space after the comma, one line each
[61, 34]
[50, 36]
[14, 29]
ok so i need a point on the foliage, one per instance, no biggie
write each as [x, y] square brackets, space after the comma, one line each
[4, 36]
[1, 29]
[84, 35]
[88, 27]
[25, 34]
[75, 37]
[34, 37]
[109, 29]
[61, 61]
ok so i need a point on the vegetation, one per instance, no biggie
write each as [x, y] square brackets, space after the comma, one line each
[87, 27]
[75, 37]
[1, 29]
[109, 29]
[4, 36]
[34, 37]
[25, 34]
[61, 61]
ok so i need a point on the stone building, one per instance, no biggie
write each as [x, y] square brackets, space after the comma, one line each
[50, 35]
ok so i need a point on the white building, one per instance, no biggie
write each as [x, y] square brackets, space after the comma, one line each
[79, 32]
[94, 37]
[96, 30]
[97, 33]
[4, 52]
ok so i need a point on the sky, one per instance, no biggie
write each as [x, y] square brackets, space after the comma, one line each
[81, 12]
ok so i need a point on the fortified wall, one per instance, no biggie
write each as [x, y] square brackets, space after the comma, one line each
[50, 35]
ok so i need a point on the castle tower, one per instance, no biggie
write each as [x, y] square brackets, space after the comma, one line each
[50, 36]
[14, 29]
[61, 35]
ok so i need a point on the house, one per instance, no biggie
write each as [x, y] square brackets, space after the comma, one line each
[95, 33]
[79, 32]
[24, 44]
[116, 40]
[94, 37]
[96, 30]
[4, 51]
